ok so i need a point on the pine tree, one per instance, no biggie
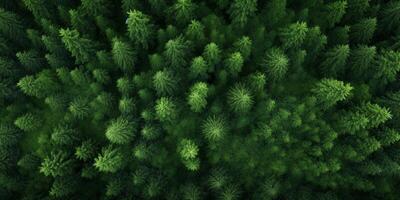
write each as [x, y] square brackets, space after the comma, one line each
[330, 91]
[197, 97]
[164, 82]
[335, 60]
[234, 63]
[120, 131]
[214, 128]
[81, 48]
[388, 66]
[86, 151]
[241, 10]
[363, 31]
[56, 164]
[140, 29]
[212, 54]
[240, 99]
[123, 55]
[276, 63]
[183, 11]
[110, 160]
[243, 46]
[188, 151]
[63, 187]
[28, 122]
[198, 68]
[334, 12]
[176, 51]
[294, 35]
[166, 109]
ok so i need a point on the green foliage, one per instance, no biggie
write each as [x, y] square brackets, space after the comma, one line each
[120, 131]
[240, 99]
[199, 99]
[294, 35]
[123, 55]
[335, 60]
[188, 151]
[330, 91]
[28, 122]
[81, 48]
[166, 109]
[110, 160]
[241, 10]
[276, 63]
[140, 28]
[56, 164]
[164, 82]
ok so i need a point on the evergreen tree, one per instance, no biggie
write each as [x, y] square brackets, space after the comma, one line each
[81, 48]
[241, 10]
[123, 54]
[197, 97]
[110, 160]
[276, 63]
[120, 131]
[240, 99]
[140, 29]
[56, 164]
[330, 91]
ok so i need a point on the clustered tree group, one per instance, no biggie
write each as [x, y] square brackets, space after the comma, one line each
[199, 99]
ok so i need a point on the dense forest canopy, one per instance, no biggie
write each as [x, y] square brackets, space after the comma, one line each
[199, 99]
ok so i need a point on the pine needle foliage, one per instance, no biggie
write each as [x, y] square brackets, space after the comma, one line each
[199, 99]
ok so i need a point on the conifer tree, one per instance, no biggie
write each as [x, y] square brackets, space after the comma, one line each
[164, 82]
[330, 91]
[183, 10]
[56, 164]
[176, 51]
[166, 109]
[335, 60]
[214, 128]
[120, 131]
[276, 63]
[241, 10]
[294, 35]
[363, 31]
[110, 160]
[80, 48]
[197, 97]
[140, 29]
[28, 122]
[123, 54]
[240, 99]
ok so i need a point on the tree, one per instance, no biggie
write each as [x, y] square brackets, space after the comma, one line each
[212, 54]
[11, 26]
[28, 122]
[234, 63]
[197, 97]
[56, 164]
[183, 11]
[166, 109]
[120, 131]
[64, 186]
[81, 48]
[198, 68]
[388, 66]
[176, 51]
[334, 12]
[243, 46]
[110, 160]
[86, 151]
[240, 99]
[140, 30]
[276, 63]
[241, 10]
[214, 128]
[363, 31]
[335, 60]
[123, 55]
[164, 82]
[294, 35]
[188, 150]
[330, 91]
